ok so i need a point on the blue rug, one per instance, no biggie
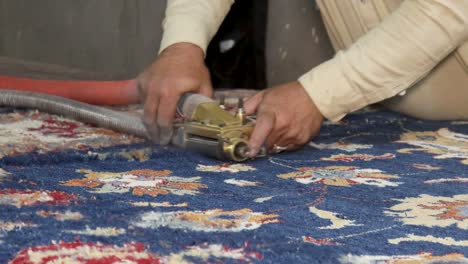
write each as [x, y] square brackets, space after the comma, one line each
[377, 187]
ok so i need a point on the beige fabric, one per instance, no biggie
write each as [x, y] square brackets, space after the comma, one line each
[443, 94]
[382, 61]
[347, 21]
[387, 50]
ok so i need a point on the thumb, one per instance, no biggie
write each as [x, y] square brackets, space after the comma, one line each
[206, 89]
[142, 80]
[251, 105]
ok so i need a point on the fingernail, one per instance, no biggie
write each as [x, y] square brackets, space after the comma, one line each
[153, 132]
[252, 152]
[165, 135]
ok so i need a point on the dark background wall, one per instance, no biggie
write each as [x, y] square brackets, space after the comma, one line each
[296, 40]
[121, 37]
[114, 36]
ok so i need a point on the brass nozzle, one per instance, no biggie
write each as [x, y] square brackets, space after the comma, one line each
[237, 151]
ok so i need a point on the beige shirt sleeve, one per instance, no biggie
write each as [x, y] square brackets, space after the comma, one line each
[193, 21]
[390, 58]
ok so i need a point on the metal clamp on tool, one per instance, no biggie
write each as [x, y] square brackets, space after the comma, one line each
[209, 129]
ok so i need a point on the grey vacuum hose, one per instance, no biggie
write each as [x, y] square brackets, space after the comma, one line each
[99, 116]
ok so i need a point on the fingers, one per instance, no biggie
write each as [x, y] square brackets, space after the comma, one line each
[278, 148]
[149, 117]
[251, 105]
[141, 84]
[178, 69]
[265, 124]
[165, 118]
[263, 128]
[276, 137]
[159, 114]
[280, 126]
[206, 88]
[160, 108]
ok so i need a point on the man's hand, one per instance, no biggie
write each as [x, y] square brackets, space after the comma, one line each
[286, 118]
[179, 69]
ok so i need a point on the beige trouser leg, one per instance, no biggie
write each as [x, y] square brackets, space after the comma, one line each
[442, 95]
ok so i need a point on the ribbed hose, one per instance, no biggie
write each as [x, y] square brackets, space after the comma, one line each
[99, 116]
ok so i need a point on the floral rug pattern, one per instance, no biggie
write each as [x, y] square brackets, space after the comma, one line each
[377, 187]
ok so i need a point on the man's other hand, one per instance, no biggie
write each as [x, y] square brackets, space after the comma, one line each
[287, 118]
[179, 69]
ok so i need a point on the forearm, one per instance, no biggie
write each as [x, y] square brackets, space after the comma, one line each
[193, 21]
[390, 58]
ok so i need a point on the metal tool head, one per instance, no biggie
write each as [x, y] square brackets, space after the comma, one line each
[209, 129]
